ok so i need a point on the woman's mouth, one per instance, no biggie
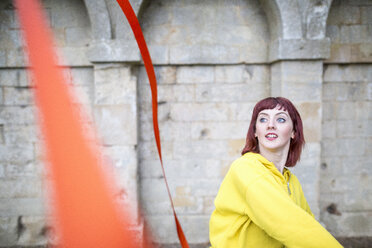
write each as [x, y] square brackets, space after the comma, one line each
[271, 136]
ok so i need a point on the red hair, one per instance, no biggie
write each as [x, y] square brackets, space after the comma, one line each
[296, 144]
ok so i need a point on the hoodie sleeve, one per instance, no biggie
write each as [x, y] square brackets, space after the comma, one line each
[270, 208]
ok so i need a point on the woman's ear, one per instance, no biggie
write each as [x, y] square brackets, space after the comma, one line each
[293, 134]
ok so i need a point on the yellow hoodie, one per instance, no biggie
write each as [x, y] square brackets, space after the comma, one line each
[257, 206]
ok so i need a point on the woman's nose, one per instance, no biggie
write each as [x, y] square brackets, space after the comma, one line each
[271, 124]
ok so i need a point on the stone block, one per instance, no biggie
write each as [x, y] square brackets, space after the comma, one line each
[17, 153]
[176, 93]
[62, 15]
[351, 91]
[161, 14]
[82, 76]
[154, 196]
[192, 226]
[114, 86]
[351, 73]
[117, 50]
[298, 92]
[330, 147]
[230, 92]
[195, 74]
[369, 91]
[344, 15]
[29, 187]
[117, 124]
[188, 167]
[201, 149]
[159, 54]
[359, 3]
[147, 150]
[77, 36]
[164, 74]
[353, 224]
[196, 227]
[120, 156]
[233, 73]
[340, 53]
[167, 233]
[301, 72]
[8, 233]
[3, 58]
[332, 73]
[346, 110]
[359, 33]
[16, 58]
[329, 129]
[351, 128]
[331, 166]
[8, 78]
[289, 49]
[34, 227]
[345, 34]
[218, 130]
[358, 201]
[188, 15]
[2, 137]
[21, 206]
[361, 52]
[206, 54]
[200, 112]
[243, 111]
[350, 146]
[176, 131]
[333, 32]
[25, 169]
[16, 96]
[73, 56]
[366, 13]
[329, 91]
[329, 110]
[311, 117]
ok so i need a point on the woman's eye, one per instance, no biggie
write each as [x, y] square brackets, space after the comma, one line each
[281, 120]
[263, 119]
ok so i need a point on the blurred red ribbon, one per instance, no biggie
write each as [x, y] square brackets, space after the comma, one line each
[86, 212]
[136, 28]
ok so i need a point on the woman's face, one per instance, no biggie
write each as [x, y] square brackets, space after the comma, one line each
[274, 130]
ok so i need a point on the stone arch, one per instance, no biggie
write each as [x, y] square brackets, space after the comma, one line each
[99, 19]
[316, 19]
[284, 19]
[224, 34]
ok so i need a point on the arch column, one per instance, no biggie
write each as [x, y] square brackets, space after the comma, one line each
[112, 52]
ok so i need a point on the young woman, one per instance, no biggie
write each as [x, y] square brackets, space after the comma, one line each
[260, 202]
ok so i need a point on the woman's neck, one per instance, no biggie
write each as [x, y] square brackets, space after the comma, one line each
[279, 158]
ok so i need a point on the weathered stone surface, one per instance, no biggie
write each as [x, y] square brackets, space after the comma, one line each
[22, 206]
[299, 48]
[195, 74]
[115, 124]
[17, 96]
[212, 41]
[8, 234]
[210, 76]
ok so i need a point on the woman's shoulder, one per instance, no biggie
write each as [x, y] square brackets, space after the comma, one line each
[248, 164]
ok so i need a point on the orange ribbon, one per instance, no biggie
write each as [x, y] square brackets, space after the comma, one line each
[133, 21]
[86, 213]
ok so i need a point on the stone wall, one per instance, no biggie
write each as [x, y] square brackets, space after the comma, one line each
[204, 113]
[213, 60]
[345, 196]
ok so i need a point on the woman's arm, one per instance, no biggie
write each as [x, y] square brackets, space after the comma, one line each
[270, 207]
